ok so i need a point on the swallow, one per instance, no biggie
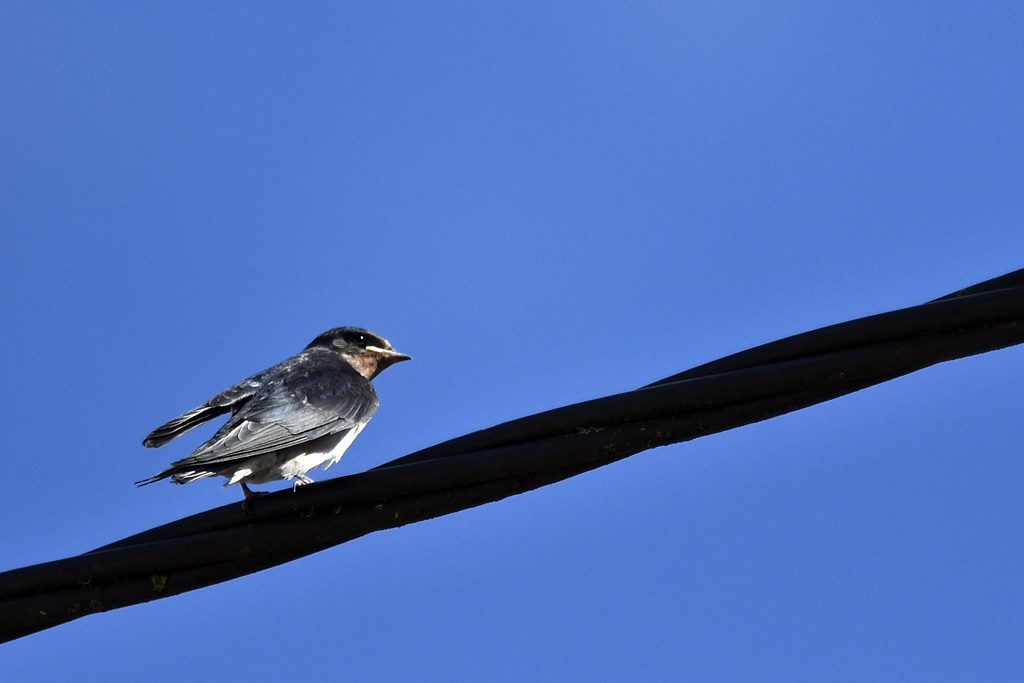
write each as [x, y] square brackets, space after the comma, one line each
[288, 419]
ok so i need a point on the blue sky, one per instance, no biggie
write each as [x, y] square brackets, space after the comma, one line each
[542, 203]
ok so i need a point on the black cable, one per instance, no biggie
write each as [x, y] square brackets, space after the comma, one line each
[514, 457]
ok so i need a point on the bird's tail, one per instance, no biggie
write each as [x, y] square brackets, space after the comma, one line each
[151, 480]
[176, 477]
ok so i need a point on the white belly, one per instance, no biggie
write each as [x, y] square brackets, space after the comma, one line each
[294, 462]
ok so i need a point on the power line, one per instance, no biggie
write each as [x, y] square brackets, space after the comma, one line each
[517, 456]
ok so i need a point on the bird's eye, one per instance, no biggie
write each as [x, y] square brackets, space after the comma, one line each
[356, 339]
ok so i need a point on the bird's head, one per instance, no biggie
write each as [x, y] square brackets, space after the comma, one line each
[367, 352]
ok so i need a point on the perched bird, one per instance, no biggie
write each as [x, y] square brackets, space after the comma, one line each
[286, 420]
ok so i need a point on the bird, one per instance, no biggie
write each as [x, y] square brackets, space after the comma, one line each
[299, 414]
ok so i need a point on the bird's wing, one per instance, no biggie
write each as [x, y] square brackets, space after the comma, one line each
[292, 407]
[227, 400]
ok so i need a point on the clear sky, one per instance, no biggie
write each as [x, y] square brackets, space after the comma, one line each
[541, 203]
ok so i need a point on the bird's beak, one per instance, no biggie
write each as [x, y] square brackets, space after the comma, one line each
[390, 355]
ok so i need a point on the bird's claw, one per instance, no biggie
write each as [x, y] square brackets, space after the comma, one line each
[249, 496]
[301, 480]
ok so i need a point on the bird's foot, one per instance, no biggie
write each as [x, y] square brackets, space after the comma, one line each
[249, 496]
[301, 480]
